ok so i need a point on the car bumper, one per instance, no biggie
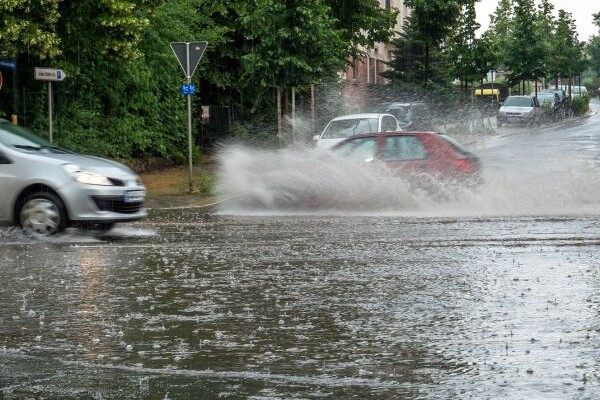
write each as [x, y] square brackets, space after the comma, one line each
[93, 203]
[515, 119]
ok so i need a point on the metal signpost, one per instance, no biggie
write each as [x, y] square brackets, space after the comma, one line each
[50, 75]
[189, 54]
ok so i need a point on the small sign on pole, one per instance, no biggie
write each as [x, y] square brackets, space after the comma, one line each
[189, 54]
[49, 75]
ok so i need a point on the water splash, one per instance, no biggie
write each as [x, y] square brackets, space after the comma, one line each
[300, 180]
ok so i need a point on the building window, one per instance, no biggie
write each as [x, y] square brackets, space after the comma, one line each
[387, 3]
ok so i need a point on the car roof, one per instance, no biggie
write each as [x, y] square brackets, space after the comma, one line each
[404, 104]
[358, 116]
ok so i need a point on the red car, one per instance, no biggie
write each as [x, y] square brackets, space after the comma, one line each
[414, 154]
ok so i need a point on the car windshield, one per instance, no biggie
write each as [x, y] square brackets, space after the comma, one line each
[545, 97]
[519, 102]
[23, 139]
[348, 127]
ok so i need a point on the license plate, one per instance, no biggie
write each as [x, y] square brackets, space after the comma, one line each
[135, 196]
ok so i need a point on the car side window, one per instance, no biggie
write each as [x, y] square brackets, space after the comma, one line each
[388, 124]
[397, 148]
[361, 149]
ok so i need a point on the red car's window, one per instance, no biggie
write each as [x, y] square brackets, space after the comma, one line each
[403, 148]
[360, 149]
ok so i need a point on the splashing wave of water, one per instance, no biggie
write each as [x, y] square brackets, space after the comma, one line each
[313, 180]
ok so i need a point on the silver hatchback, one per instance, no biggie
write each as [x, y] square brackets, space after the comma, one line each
[44, 188]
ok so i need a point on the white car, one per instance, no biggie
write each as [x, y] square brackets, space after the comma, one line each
[44, 188]
[342, 127]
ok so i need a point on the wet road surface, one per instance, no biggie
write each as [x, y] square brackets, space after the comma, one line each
[480, 302]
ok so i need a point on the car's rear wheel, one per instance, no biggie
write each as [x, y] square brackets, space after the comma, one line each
[43, 214]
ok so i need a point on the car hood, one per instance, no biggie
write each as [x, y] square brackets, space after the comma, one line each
[95, 164]
[513, 109]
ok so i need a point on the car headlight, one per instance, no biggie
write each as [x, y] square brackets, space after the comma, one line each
[86, 177]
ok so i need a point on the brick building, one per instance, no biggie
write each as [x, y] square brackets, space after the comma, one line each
[366, 70]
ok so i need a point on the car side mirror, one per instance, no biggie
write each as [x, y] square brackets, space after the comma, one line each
[315, 138]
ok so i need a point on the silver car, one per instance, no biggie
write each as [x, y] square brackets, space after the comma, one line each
[44, 188]
[519, 110]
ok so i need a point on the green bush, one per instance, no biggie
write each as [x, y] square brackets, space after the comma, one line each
[203, 183]
[547, 110]
[580, 105]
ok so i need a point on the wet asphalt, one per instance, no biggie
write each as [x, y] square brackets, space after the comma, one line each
[496, 299]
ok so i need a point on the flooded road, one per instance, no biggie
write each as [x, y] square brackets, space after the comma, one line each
[436, 302]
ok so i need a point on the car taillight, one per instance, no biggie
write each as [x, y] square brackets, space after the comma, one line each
[465, 165]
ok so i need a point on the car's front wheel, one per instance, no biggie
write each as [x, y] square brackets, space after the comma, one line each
[43, 214]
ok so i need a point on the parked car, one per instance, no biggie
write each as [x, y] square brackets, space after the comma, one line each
[519, 110]
[565, 101]
[342, 127]
[413, 115]
[575, 91]
[414, 154]
[44, 188]
[551, 102]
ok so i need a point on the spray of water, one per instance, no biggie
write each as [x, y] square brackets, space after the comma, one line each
[300, 180]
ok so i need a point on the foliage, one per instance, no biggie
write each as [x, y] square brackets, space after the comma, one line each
[593, 48]
[580, 105]
[430, 24]
[104, 29]
[525, 51]
[29, 26]
[567, 52]
[469, 56]
[203, 183]
[361, 23]
[499, 33]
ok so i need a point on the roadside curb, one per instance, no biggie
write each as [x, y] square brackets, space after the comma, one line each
[483, 138]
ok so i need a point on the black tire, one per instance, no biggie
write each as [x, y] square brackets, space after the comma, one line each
[42, 214]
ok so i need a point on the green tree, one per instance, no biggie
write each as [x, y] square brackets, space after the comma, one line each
[432, 21]
[593, 48]
[568, 51]
[29, 26]
[362, 23]
[499, 33]
[525, 53]
[469, 57]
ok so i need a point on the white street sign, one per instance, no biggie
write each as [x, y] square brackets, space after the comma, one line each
[49, 74]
